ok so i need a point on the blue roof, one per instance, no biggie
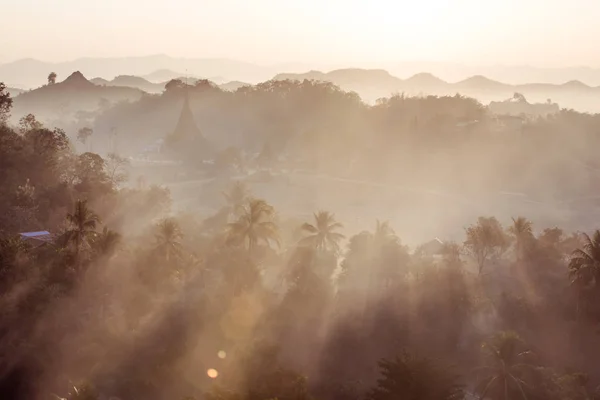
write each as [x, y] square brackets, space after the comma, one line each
[35, 234]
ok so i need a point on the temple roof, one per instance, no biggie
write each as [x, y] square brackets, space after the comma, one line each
[186, 127]
[187, 138]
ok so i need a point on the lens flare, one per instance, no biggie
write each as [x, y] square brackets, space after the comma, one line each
[212, 373]
[222, 354]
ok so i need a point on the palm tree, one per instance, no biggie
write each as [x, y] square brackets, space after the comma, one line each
[584, 265]
[168, 239]
[506, 368]
[254, 225]
[82, 224]
[106, 242]
[414, 378]
[522, 232]
[322, 235]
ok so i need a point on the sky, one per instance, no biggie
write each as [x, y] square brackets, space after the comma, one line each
[548, 33]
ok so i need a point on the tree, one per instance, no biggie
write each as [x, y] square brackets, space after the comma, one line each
[83, 134]
[584, 266]
[506, 368]
[51, 78]
[413, 378]
[519, 97]
[485, 241]
[29, 123]
[168, 239]
[323, 235]
[116, 168]
[106, 242]
[521, 230]
[255, 225]
[82, 226]
[13, 254]
[5, 103]
[174, 84]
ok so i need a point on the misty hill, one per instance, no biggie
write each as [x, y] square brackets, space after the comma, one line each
[348, 77]
[150, 87]
[374, 84]
[233, 85]
[162, 75]
[479, 82]
[132, 82]
[424, 79]
[70, 96]
[165, 75]
[32, 73]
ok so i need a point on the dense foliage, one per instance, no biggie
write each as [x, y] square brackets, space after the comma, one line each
[132, 300]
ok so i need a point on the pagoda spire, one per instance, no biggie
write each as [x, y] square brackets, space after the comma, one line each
[187, 137]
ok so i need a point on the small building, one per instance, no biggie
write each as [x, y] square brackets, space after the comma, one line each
[36, 239]
[432, 248]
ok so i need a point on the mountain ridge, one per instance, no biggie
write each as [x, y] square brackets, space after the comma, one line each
[29, 72]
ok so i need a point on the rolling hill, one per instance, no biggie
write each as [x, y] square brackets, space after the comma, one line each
[132, 82]
[32, 73]
[74, 94]
[374, 84]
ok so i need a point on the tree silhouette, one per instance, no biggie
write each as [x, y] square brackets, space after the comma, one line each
[584, 266]
[322, 234]
[51, 78]
[106, 242]
[82, 226]
[5, 103]
[168, 239]
[506, 370]
[413, 378]
[522, 232]
[254, 225]
[83, 134]
[485, 241]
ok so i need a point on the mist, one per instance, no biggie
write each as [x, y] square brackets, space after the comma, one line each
[238, 232]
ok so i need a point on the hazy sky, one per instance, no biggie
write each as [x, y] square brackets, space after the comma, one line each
[534, 32]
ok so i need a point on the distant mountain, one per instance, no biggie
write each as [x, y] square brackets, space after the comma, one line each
[30, 73]
[132, 82]
[233, 85]
[575, 85]
[33, 73]
[349, 76]
[149, 87]
[479, 82]
[162, 75]
[513, 74]
[374, 84]
[70, 96]
[165, 75]
[100, 81]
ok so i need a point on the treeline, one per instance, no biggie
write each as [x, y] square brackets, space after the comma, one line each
[246, 304]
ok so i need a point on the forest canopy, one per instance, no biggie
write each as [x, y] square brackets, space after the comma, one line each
[127, 296]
